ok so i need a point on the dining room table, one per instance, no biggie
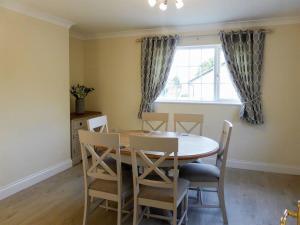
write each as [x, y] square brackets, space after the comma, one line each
[190, 146]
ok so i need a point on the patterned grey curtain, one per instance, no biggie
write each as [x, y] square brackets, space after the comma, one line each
[244, 56]
[157, 57]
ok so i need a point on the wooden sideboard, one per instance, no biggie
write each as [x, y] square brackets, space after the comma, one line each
[78, 121]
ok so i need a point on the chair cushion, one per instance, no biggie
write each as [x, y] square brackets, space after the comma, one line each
[112, 186]
[199, 172]
[163, 194]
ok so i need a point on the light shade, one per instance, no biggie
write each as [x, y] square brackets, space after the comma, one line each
[179, 4]
[163, 6]
[152, 3]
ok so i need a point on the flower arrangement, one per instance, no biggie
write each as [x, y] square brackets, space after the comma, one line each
[80, 91]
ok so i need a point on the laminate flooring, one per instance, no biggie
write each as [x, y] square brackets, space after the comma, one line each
[252, 198]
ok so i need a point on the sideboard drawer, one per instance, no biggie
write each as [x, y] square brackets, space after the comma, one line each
[79, 124]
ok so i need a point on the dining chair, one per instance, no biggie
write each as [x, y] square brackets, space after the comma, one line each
[153, 188]
[100, 180]
[149, 118]
[196, 120]
[99, 123]
[203, 176]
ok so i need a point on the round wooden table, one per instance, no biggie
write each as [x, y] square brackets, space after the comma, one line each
[191, 147]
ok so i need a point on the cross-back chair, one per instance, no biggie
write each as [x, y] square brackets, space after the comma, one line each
[203, 177]
[148, 118]
[152, 187]
[99, 123]
[196, 119]
[100, 179]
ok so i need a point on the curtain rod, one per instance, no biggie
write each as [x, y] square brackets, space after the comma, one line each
[205, 35]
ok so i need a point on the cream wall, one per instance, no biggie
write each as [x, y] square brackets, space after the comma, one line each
[76, 65]
[34, 82]
[112, 66]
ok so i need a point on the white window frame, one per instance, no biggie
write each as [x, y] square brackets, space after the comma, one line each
[217, 99]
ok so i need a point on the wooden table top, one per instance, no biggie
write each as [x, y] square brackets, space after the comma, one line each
[74, 116]
[191, 147]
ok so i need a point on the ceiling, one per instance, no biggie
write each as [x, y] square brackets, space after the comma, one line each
[106, 16]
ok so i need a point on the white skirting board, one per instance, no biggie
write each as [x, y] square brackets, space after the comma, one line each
[32, 179]
[259, 166]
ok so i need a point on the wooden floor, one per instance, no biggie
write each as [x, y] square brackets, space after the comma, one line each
[252, 198]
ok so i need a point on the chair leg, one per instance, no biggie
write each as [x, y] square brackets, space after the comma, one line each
[148, 212]
[186, 203]
[106, 205]
[119, 212]
[135, 212]
[86, 208]
[174, 217]
[222, 204]
[182, 209]
[199, 196]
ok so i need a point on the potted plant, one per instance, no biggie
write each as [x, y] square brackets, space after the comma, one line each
[80, 92]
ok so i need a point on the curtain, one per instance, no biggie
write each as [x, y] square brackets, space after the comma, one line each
[157, 57]
[243, 52]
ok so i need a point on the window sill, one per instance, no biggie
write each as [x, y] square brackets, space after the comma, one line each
[198, 102]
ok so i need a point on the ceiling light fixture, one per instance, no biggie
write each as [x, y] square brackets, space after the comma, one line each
[163, 4]
[152, 3]
[179, 4]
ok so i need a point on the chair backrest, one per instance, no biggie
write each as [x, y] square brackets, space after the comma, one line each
[98, 169]
[163, 147]
[195, 119]
[224, 145]
[162, 118]
[98, 123]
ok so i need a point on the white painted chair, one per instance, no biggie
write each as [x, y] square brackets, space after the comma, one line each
[152, 188]
[99, 123]
[205, 176]
[100, 180]
[149, 118]
[195, 119]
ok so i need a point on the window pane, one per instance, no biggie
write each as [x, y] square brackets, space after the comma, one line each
[181, 57]
[195, 57]
[192, 76]
[227, 90]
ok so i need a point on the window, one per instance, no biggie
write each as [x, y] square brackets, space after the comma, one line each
[199, 74]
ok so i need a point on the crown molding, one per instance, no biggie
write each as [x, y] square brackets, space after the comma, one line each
[22, 9]
[77, 35]
[196, 28]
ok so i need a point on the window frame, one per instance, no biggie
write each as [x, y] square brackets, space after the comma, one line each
[217, 67]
